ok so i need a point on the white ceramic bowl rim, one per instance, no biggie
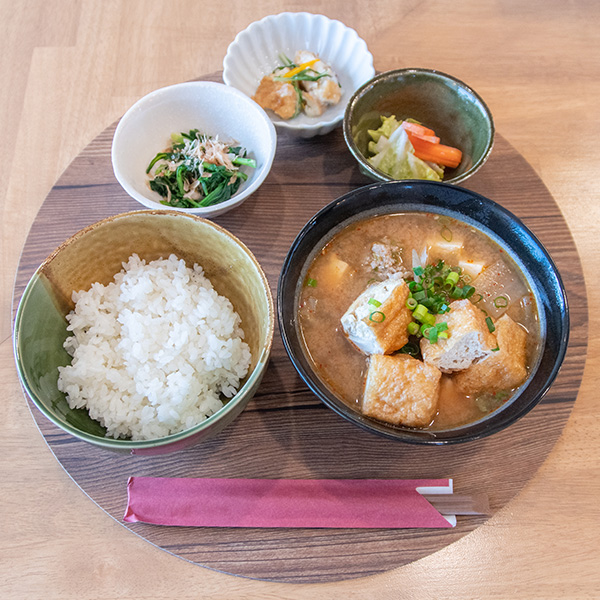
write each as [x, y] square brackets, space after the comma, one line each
[255, 27]
[255, 180]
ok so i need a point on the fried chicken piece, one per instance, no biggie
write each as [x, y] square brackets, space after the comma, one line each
[278, 96]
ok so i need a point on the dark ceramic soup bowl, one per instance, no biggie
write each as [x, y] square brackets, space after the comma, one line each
[484, 215]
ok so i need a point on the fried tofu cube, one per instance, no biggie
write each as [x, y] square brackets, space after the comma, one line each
[377, 321]
[401, 390]
[469, 339]
[504, 369]
[278, 96]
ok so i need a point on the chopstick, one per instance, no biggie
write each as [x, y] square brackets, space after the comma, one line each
[453, 504]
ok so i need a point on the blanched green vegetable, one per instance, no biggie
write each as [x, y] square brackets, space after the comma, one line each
[197, 170]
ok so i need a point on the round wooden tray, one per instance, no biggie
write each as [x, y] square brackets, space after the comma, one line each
[285, 432]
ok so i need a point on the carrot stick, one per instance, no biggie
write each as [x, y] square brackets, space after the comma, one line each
[301, 67]
[437, 153]
[417, 129]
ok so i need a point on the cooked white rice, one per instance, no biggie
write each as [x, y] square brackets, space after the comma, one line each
[153, 351]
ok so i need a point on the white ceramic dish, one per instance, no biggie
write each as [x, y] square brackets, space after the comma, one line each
[214, 109]
[254, 53]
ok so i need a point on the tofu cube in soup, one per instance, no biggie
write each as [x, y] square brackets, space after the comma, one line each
[469, 339]
[501, 370]
[376, 322]
[333, 271]
[401, 390]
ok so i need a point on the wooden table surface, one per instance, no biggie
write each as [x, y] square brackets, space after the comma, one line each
[70, 68]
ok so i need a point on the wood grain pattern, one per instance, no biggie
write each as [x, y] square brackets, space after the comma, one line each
[70, 68]
[286, 431]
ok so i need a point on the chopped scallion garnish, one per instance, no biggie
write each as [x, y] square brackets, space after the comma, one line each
[377, 316]
[452, 278]
[413, 328]
[374, 302]
[501, 302]
[420, 313]
[410, 348]
[468, 291]
[311, 282]
[446, 233]
[490, 324]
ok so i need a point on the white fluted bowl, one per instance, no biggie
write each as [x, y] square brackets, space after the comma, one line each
[255, 53]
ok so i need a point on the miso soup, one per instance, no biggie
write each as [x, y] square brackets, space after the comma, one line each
[410, 246]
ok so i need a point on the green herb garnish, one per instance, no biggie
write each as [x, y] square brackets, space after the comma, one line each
[197, 171]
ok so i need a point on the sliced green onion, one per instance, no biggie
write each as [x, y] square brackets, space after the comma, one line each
[374, 302]
[496, 348]
[443, 335]
[413, 328]
[501, 302]
[442, 326]
[428, 303]
[433, 335]
[414, 286]
[452, 278]
[418, 296]
[411, 303]
[311, 282]
[429, 319]
[420, 312]
[418, 271]
[479, 299]
[468, 291]
[425, 329]
[490, 324]
[410, 348]
[457, 293]
[377, 316]
[446, 233]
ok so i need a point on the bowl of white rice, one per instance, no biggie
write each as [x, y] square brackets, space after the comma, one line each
[146, 332]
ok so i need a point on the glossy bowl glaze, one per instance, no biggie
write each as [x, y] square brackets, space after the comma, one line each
[254, 53]
[96, 254]
[482, 214]
[456, 113]
[212, 108]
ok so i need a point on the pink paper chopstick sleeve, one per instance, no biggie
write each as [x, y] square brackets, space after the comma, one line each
[331, 503]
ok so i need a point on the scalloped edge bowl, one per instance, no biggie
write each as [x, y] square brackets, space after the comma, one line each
[254, 54]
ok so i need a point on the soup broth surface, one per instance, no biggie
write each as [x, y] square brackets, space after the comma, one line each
[386, 246]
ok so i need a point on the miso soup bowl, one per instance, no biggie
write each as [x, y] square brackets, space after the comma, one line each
[468, 207]
[96, 254]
